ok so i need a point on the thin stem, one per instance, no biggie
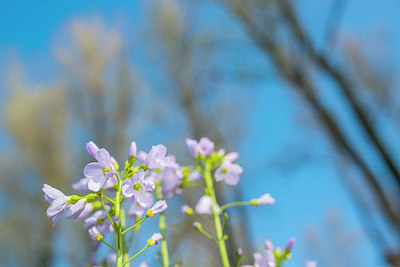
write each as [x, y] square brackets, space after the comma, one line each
[108, 215]
[108, 245]
[207, 234]
[125, 248]
[136, 224]
[164, 245]
[134, 256]
[118, 235]
[235, 204]
[217, 220]
[109, 199]
[162, 226]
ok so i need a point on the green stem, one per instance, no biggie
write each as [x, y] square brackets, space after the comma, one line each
[164, 245]
[217, 220]
[136, 224]
[162, 226]
[126, 256]
[235, 204]
[207, 234]
[134, 256]
[108, 215]
[118, 235]
[109, 199]
[108, 245]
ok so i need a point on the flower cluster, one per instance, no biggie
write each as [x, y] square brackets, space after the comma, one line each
[110, 194]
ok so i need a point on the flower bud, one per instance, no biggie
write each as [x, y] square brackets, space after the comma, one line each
[133, 149]
[154, 239]
[187, 210]
[290, 244]
[92, 149]
[197, 225]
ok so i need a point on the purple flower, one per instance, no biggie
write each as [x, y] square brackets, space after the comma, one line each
[76, 209]
[269, 245]
[172, 178]
[95, 234]
[231, 157]
[204, 147]
[81, 185]
[311, 263]
[194, 176]
[228, 172]
[239, 251]
[265, 199]
[87, 210]
[160, 206]
[57, 200]
[156, 158]
[268, 260]
[192, 146]
[99, 172]
[136, 187]
[136, 210]
[153, 240]
[290, 244]
[143, 264]
[133, 149]
[204, 206]
[92, 148]
[142, 156]
[97, 218]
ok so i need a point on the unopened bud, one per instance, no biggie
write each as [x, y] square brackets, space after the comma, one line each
[187, 210]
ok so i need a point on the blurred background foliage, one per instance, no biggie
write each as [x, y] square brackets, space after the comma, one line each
[193, 69]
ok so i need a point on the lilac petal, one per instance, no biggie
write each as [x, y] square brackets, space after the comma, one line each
[127, 188]
[204, 206]
[269, 245]
[56, 206]
[311, 263]
[236, 168]
[51, 193]
[133, 149]
[87, 210]
[160, 206]
[231, 178]
[206, 146]
[103, 157]
[136, 210]
[231, 157]
[76, 209]
[148, 186]
[141, 198]
[92, 170]
[156, 237]
[138, 176]
[142, 156]
[92, 148]
[57, 218]
[96, 183]
[82, 184]
[192, 146]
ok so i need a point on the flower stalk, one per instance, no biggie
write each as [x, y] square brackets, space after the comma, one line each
[217, 220]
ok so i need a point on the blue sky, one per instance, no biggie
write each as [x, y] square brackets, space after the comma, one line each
[305, 194]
